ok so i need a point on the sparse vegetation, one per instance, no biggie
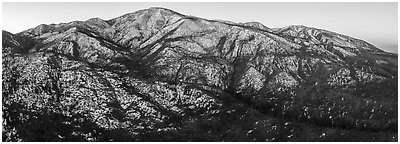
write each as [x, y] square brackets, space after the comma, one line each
[156, 75]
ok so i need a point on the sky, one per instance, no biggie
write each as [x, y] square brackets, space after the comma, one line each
[376, 23]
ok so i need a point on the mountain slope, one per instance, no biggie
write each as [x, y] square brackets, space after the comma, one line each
[157, 75]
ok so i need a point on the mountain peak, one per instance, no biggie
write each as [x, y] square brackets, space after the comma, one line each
[256, 25]
[157, 75]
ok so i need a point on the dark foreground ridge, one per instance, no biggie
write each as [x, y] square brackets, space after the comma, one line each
[157, 75]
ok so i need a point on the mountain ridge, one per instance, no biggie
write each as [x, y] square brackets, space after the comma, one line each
[188, 16]
[157, 72]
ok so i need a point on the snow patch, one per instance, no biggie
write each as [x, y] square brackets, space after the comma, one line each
[344, 52]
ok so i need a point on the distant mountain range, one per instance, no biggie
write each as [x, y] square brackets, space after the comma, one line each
[158, 75]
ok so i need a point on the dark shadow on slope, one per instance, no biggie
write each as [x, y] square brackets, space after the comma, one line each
[21, 124]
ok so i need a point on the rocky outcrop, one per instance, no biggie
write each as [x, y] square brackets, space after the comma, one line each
[157, 75]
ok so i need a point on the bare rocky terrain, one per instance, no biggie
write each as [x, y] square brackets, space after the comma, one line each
[157, 75]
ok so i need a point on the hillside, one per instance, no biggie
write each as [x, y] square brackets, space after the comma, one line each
[158, 75]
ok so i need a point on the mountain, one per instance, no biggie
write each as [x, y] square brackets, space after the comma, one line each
[158, 75]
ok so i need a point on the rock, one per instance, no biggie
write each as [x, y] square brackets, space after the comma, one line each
[157, 75]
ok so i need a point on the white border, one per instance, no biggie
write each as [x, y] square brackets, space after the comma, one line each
[1, 25]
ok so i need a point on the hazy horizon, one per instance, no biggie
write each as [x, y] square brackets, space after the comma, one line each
[375, 23]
